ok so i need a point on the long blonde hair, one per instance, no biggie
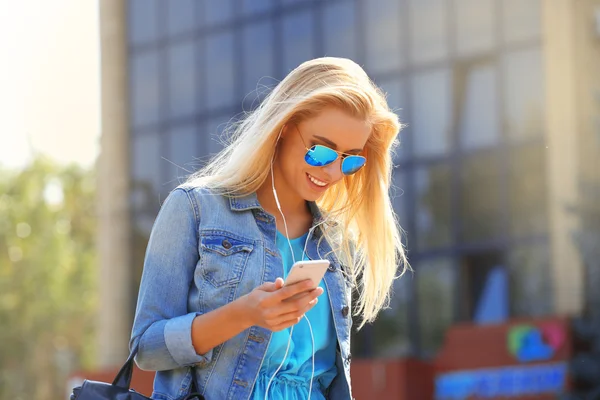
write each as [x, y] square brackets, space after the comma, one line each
[367, 237]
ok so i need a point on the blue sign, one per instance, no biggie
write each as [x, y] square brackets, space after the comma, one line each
[502, 382]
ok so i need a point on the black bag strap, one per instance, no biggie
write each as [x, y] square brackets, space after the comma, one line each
[123, 378]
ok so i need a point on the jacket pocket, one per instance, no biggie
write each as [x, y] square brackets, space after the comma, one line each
[223, 259]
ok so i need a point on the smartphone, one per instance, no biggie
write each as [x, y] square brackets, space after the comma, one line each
[308, 269]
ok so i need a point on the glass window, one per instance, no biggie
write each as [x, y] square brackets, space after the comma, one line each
[528, 199]
[399, 196]
[256, 6]
[480, 197]
[145, 88]
[182, 79]
[436, 285]
[384, 23]
[258, 60]
[521, 20]
[183, 157]
[475, 26]
[530, 281]
[339, 28]
[431, 112]
[428, 30]
[432, 200]
[395, 90]
[181, 16]
[145, 171]
[220, 70]
[390, 331]
[217, 12]
[524, 93]
[479, 117]
[142, 19]
[298, 43]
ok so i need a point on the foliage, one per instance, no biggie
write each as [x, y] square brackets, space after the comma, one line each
[47, 277]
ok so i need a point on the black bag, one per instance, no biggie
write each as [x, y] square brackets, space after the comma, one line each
[119, 389]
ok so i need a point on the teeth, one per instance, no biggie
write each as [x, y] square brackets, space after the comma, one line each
[316, 181]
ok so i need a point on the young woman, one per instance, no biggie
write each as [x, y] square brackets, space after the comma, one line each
[306, 176]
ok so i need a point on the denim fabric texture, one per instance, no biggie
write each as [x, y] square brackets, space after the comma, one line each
[206, 250]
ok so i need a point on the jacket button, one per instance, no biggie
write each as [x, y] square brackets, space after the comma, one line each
[345, 311]
[331, 267]
[226, 243]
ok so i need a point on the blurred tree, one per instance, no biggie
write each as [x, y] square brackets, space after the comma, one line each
[47, 277]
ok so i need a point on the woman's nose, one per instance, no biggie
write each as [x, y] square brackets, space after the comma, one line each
[334, 170]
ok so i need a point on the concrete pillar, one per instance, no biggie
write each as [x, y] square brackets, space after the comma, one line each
[114, 244]
[562, 134]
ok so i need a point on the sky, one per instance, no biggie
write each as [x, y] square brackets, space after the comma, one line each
[49, 81]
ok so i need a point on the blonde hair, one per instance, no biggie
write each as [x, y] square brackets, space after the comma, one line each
[367, 235]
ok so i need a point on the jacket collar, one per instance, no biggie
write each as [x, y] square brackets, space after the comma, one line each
[250, 201]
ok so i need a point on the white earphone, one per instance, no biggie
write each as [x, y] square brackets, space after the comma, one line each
[294, 260]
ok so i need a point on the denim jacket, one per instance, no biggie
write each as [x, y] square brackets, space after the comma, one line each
[206, 250]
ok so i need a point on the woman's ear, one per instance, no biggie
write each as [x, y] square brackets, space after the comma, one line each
[285, 129]
[281, 134]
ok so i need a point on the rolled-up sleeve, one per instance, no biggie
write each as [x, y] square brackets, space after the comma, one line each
[162, 327]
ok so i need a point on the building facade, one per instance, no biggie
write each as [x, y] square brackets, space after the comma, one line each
[501, 101]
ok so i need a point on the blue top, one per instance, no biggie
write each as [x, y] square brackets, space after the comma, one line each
[293, 379]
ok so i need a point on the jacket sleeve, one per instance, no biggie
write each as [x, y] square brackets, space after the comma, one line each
[162, 326]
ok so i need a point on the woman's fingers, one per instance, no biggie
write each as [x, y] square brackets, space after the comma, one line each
[292, 317]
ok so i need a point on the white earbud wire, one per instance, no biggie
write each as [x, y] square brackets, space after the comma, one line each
[304, 316]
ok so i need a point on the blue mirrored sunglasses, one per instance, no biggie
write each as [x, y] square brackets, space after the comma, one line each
[320, 156]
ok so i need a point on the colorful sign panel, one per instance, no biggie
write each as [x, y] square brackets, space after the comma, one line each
[523, 380]
[529, 343]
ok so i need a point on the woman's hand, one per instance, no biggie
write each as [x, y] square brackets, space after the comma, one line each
[275, 307]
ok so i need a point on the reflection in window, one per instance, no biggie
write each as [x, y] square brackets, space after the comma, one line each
[220, 70]
[145, 93]
[524, 100]
[216, 12]
[256, 6]
[145, 172]
[479, 122]
[142, 21]
[480, 201]
[474, 26]
[298, 31]
[521, 20]
[396, 97]
[180, 16]
[183, 155]
[530, 281]
[258, 60]
[182, 79]
[390, 331]
[339, 28]
[383, 26]
[433, 206]
[431, 112]
[428, 30]
[436, 284]
[527, 191]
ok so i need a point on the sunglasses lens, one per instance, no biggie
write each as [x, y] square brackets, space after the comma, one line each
[319, 156]
[351, 164]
